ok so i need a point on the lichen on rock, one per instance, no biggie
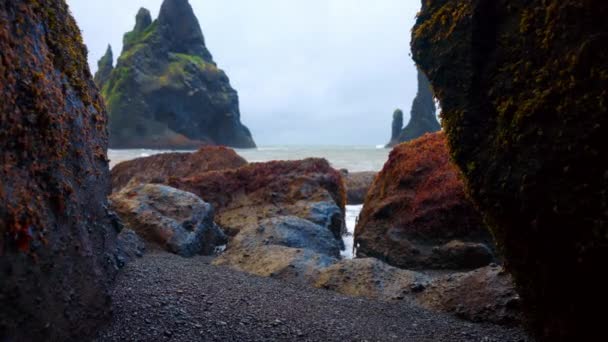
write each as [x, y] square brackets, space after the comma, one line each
[57, 241]
[523, 87]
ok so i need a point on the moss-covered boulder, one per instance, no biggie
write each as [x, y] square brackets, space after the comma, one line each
[166, 91]
[416, 214]
[523, 88]
[57, 239]
[423, 116]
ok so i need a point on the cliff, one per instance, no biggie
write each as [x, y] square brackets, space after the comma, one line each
[423, 116]
[522, 86]
[56, 237]
[167, 92]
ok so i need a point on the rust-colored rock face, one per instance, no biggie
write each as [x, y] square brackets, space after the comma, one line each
[416, 214]
[310, 189]
[56, 238]
[158, 168]
[523, 88]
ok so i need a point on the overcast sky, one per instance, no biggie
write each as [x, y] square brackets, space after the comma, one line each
[313, 72]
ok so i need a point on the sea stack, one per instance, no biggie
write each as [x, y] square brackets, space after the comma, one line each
[104, 68]
[57, 238]
[166, 91]
[523, 87]
[423, 116]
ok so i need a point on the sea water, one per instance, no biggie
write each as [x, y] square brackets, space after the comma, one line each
[351, 158]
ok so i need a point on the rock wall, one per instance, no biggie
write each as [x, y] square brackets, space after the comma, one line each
[523, 88]
[56, 237]
[167, 92]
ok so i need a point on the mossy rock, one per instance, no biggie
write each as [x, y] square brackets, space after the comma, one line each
[523, 88]
[166, 91]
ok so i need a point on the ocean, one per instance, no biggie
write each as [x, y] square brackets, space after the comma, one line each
[352, 158]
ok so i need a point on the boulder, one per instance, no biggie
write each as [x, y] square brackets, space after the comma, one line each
[423, 116]
[288, 231]
[483, 295]
[178, 221]
[158, 168]
[281, 262]
[167, 92]
[129, 246]
[357, 186]
[370, 278]
[522, 87]
[309, 189]
[57, 240]
[416, 210]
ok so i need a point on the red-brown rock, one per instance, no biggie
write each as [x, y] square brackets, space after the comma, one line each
[310, 189]
[416, 214]
[57, 239]
[158, 168]
[357, 185]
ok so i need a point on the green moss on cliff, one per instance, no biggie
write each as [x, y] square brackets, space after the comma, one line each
[523, 86]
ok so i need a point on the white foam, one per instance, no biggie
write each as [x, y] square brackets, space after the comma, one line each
[352, 215]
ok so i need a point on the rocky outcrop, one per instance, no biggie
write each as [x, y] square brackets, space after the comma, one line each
[522, 86]
[158, 168]
[357, 186]
[417, 216]
[129, 246]
[423, 116]
[483, 295]
[178, 221]
[104, 68]
[167, 92]
[309, 189]
[56, 237]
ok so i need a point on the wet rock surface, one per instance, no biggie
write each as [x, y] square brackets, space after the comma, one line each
[357, 185]
[522, 87]
[159, 168]
[416, 214]
[176, 220]
[57, 241]
[218, 304]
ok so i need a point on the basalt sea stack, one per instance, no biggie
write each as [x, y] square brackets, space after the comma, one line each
[423, 116]
[523, 88]
[57, 239]
[166, 91]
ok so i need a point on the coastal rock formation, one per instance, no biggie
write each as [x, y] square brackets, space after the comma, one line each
[483, 295]
[423, 116]
[417, 216]
[357, 186]
[158, 168]
[167, 92]
[176, 220]
[104, 68]
[129, 246]
[57, 241]
[309, 189]
[523, 86]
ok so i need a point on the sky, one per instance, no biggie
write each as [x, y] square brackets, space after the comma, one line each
[308, 72]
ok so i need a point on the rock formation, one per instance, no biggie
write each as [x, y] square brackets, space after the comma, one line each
[166, 91]
[357, 184]
[158, 168]
[309, 189]
[57, 241]
[522, 86]
[104, 68]
[417, 216]
[423, 116]
[177, 221]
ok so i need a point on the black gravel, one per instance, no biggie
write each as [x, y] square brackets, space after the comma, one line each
[163, 297]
